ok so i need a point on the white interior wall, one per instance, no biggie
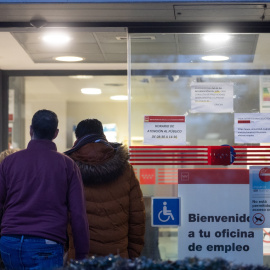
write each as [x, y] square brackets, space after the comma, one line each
[106, 112]
[40, 93]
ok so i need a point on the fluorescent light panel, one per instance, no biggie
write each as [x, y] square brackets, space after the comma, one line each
[216, 37]
[68, 58]
[91, 91]
[56, 38]
[119, 97]
[215, 58]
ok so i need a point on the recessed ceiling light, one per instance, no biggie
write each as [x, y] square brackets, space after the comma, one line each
[56, 38]
[69, 58]
[119, 97]
[216, 37]
[91, 91]
[215, 58]
[81, 77]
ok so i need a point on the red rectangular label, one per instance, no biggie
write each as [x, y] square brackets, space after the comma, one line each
[10, 117]
[164, 118]
[213, 176]
[147, 176]
[243, 121]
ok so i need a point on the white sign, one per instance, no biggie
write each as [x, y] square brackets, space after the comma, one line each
[252, 127]
[266, 241]
[259, 179]
[11, 104]
[165, 130]
[207, 97]
[265, 92]
[110, 131]
[215, 216]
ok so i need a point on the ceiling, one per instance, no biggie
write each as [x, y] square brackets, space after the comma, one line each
[93, 47]
[201, 11]
[99, 34]
[106, 47]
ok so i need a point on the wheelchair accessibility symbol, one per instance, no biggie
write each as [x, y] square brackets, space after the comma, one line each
[165, 212]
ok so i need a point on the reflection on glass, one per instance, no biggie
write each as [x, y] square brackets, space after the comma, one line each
[63, 96]
[162, 71]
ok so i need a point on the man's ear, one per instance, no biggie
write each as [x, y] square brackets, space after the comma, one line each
[56, 134]
[31, 131]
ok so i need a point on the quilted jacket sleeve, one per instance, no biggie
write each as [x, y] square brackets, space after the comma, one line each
[136, 218]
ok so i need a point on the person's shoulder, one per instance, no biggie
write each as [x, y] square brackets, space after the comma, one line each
[14, 155]
[64, 157]
[70, 163]
[12, 158]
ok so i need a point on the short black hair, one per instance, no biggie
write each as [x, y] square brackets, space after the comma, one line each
[44, 124]
[88, 126]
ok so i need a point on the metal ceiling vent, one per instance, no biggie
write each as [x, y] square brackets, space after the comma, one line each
[219, 12]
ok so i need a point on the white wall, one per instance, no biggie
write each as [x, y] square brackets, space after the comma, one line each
[106, 112]
[40, 93]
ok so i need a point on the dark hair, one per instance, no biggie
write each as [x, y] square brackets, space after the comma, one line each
[88, 126]
[44, 124]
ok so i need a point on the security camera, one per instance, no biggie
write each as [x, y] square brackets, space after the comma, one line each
[38, 23]
[173, 78]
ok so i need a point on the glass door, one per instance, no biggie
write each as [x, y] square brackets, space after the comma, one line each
[211, 80]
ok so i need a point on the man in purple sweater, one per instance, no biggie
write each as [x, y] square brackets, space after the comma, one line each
[39, 188]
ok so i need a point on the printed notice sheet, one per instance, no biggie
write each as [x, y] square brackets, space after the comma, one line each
[259, 194]
[266, 241]
[265, 92]
[252, 127]
[165, 130]
[11, 105]
[211, 97]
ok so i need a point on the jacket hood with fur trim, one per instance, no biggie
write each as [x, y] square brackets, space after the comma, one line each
[101, 163]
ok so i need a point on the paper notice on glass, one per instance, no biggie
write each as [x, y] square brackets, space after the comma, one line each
[259, 196]
[266, 241]
[252, 127]
[165, 130]
[265, 91]
[11, 105]
[207, 97]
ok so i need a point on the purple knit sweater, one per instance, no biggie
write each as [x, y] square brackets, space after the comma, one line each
[38, 187]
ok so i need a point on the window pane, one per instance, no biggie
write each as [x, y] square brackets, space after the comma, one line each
[63, 96]
[165, 68]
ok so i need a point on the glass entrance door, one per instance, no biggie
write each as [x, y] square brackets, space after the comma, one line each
[211, 81]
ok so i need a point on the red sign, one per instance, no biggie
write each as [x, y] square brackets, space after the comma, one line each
[219, 155]
[213, 176]
[161, 119]
[10, 117]
[264, 174]
[147, 176]
[243, 121]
